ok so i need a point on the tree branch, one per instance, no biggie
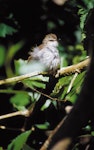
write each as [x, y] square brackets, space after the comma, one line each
[17, 113]
[62, 72]
[21, 77]
[73, 68]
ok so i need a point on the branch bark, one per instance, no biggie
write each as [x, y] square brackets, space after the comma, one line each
[62, 72]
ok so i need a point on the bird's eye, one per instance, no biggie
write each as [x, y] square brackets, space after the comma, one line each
[51, 40]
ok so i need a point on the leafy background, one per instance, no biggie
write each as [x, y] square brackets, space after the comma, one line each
[23, 24]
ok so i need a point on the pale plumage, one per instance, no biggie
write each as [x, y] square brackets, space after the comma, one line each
[47, 53]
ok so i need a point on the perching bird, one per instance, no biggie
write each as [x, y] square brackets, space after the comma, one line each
[47, 53]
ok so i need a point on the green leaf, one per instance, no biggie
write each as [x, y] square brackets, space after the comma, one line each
[46, 105]
[19, 141]
[20, 100]
[42, 126]
[36, 82]
[72, 96]
[12, 50]
[2, 55]
[62, 86]
[6, 30]
[34, 96]
[88, 3]
[92, 133]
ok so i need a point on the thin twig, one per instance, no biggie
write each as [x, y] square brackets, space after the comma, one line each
[72, 81]
[49, 97]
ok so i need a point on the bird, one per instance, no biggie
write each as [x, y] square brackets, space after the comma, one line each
[47, 53]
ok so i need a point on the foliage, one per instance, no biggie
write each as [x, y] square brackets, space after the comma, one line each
[18, 142]
[6, 30]
[2, 54]
[23, 94]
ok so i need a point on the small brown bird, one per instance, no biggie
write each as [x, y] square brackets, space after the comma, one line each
[47, 53]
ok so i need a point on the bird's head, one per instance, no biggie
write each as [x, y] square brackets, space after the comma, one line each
[50, 40]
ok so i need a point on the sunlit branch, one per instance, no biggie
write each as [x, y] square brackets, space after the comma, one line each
[22, 113]
[73, 68]
[62, 72]
[21, 77]
[10, 128]
[72, 81]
